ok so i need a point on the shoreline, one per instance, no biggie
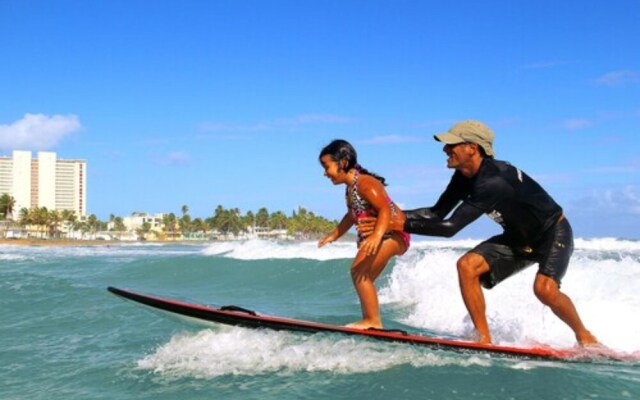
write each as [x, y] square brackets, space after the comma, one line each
[75, 242]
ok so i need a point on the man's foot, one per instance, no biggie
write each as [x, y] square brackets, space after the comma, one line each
[586, 339]
[484, 339]
[598, 350]
[364, 324]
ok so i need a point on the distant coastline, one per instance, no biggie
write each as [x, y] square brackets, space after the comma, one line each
[40, 226]
[74, 242]
[348, 237]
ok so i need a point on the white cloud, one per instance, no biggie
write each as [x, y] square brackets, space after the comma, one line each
[37, 131]
[293, 122]
[226, 127]
[621, 201]
[173, 158]
[577, 123]
[545, 64]
[618, 115]
[557, 178]
[441, 124]
[393, 139]
[616, 169]
[573, 124]
[619, 78]
[306, 119]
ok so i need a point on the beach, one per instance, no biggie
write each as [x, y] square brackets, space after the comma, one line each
[53, 242]
[72, 242]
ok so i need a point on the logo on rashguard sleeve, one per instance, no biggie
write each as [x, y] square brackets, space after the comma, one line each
[496, 216]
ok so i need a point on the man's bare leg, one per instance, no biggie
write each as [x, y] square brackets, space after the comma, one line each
[548, 292]
[470, 267]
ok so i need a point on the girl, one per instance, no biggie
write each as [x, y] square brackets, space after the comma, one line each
[366, 196]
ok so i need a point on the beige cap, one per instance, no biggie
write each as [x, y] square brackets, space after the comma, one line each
[471, 132]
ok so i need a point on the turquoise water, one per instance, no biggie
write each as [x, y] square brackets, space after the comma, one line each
[63, 336]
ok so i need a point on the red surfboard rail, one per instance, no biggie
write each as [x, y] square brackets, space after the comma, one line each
[232, 315]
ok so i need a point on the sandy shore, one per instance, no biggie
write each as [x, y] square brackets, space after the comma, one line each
[54, 242]
[70, 242]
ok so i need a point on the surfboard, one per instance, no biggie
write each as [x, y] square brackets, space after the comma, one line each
[238, 316]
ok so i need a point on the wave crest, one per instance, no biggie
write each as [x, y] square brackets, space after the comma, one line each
[238, 351]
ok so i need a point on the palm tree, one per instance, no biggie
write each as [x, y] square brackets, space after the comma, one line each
[40, 218]
[81, 226]
[307, 224]
[185, 222]
[230, 222]
[169, 222]
[262, 217]
[199, 226]
[143, 230]
[249, 219]
[24, 216]
[7, 203]
[53, 220]
[278, 220]
[93, 223]
[186, 225]
[118, 226]
[215, 221]
[69, 218]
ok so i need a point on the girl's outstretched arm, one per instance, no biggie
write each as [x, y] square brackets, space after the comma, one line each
[338, 231]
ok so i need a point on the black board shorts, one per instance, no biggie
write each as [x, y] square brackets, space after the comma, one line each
[552, 253]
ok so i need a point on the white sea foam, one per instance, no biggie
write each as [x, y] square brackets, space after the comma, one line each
[603, 287]
[608, 244]
[12, 257]
[602, 280]
[605, 292]
[262, 249]
[596, 244]
[239, 351]
[424, 281]
[79, 251]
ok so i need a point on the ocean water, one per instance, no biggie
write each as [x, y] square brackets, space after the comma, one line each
[63, 336]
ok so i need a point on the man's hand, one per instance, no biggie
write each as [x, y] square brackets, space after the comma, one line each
[367, 225]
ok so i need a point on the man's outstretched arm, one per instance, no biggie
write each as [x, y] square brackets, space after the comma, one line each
[423, 221]
[431, 225]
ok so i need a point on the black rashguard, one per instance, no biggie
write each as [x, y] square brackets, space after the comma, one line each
[503, 192]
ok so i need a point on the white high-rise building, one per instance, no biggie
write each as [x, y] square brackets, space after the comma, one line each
[44, 181]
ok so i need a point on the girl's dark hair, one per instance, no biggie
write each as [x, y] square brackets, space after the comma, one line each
[345, 155]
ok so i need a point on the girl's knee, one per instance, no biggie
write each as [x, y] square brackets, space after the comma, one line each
[359, 274]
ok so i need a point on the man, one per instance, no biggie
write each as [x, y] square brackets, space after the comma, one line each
[535, 230]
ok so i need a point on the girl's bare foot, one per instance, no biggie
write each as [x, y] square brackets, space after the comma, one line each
[364, 324]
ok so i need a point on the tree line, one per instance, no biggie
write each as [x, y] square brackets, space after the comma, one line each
[301, 223]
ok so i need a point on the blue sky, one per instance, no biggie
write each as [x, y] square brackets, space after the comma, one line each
[229, 102]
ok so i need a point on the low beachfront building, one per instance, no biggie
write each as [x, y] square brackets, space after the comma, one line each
[258, 232]
[137, 219]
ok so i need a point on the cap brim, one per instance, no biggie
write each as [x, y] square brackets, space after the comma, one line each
[448, 138]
